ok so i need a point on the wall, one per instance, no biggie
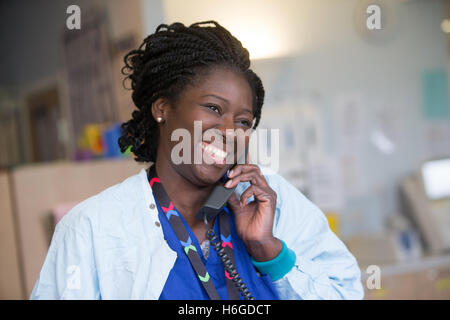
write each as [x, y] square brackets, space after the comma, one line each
[387, 75]
[11, 284]
[331, 57]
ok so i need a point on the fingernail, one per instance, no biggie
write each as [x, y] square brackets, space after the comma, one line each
[230, 173]
[228, 184]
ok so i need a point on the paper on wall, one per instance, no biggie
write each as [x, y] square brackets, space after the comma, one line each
[325, 184]
[301, 135]
[352, 176]
[385, 122]
[435, 94]
[350, 122]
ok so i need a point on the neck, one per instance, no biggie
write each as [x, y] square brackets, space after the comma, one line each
[187, 197]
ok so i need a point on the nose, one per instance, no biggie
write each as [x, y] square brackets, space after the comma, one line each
[227, 129]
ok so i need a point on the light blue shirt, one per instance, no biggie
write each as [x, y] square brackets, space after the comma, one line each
[111, 246]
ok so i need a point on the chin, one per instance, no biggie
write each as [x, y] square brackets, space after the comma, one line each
[209, 174]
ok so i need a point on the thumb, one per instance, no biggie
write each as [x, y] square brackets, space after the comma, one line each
[234, 202]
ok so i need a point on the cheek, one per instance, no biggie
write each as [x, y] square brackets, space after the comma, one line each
[198, 122]
[190, 124]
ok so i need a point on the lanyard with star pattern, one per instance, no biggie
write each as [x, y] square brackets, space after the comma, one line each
[182, 234]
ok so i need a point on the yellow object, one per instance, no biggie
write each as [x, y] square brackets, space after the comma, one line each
[333, 221]
[380, 293]
[443, 284]
[91, 138]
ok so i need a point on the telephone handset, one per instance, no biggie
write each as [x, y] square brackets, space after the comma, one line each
[213, 206]
[218, 197]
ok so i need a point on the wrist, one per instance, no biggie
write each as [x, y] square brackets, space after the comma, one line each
[264, 250]
[278, 267]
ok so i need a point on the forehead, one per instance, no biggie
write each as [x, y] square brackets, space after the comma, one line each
[225, 83]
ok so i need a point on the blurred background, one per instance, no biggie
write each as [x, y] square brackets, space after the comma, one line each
[358, 89]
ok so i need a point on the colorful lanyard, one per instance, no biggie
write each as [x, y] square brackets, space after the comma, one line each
[182, 234]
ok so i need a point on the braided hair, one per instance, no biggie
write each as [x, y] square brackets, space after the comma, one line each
[165, 63]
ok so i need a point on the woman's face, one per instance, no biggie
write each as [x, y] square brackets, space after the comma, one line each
[222, 101]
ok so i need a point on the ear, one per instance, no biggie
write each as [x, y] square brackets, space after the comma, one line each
[160, 108]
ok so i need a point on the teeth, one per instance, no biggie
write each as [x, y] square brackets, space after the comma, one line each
[215, 152]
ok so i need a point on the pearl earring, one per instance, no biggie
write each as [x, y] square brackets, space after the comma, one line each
[159, 119]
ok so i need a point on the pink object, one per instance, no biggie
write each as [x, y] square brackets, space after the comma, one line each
[61, 209]
[224, 244]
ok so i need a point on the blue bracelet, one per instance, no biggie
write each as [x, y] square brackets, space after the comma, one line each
[279, 266]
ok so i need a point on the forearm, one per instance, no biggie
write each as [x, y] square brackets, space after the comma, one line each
[264, 250]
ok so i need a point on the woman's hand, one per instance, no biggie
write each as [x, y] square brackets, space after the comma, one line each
[254, 221]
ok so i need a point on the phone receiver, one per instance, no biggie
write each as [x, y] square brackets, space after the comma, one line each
[218, 197]
[210, 209]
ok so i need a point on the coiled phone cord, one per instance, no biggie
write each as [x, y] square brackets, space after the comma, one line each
[227, 263]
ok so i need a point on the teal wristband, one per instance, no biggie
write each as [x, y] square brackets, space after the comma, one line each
[279, 266]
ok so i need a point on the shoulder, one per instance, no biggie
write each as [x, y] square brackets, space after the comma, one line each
[299, 221]
[105, 208]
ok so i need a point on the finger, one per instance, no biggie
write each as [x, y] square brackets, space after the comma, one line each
[233, 201]
[250, 176]
[260, 194]
[241, 168]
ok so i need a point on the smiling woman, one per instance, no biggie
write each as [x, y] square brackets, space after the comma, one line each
[167, 62]
[141, 239]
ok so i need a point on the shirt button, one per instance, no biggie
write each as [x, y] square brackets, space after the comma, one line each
[157, 224]
[152, 206]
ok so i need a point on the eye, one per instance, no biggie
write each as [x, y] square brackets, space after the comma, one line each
[213, 108]
[246, 123]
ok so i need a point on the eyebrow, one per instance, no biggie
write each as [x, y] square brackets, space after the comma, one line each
[216, 96]
[225, 100]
